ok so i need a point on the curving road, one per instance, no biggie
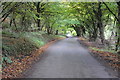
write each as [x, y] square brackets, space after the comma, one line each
[67, 59]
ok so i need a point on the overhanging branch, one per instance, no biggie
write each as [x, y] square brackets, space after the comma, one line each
[110, 11]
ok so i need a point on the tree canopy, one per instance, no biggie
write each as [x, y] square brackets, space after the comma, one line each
[92, 20]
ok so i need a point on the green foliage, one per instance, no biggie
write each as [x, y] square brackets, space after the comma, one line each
[7, 59]
[22, 43]
[35, 38]
[20, 19]
[104, 50]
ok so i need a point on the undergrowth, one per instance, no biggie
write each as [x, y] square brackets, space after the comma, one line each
[104, 50]
[24, 43]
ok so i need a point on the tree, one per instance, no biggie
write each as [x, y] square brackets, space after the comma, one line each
[117, 17]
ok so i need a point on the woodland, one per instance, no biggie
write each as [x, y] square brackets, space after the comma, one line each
[27, 26]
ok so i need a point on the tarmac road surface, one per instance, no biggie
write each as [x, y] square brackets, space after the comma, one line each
[67, 59]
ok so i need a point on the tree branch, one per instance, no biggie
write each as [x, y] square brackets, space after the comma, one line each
[110, 11]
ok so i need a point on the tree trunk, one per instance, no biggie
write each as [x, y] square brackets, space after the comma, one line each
[78, 31]
[118, 28]
[51, 30]
[95, 32]
[56, 32]
[99, 28]
[100, 24]
[94, 35]
[15, 24]
[38, 15]
[48, 28]
[11, 22]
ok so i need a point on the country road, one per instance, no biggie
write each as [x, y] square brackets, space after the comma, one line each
[67, 59]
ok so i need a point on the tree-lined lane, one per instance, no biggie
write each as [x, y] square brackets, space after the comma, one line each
[67, 59]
